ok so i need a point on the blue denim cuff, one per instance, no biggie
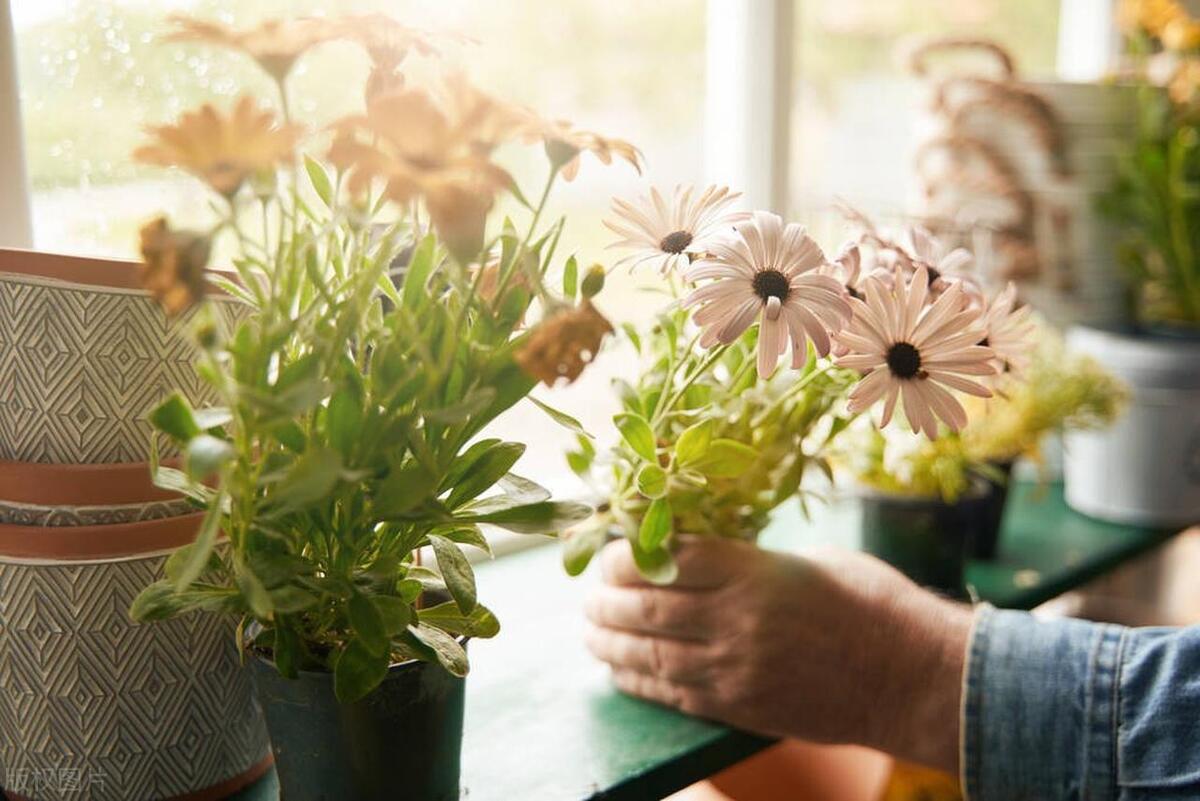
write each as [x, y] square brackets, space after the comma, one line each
[1040, 708]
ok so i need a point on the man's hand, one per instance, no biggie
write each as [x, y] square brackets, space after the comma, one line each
[831, 646]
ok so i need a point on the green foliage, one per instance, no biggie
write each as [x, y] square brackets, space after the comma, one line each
[1156, 203]
[347, 439]
[706, 447]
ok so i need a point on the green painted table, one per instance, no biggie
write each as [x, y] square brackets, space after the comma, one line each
[543, 723]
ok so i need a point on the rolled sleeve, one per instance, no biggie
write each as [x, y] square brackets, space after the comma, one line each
[1076, 710]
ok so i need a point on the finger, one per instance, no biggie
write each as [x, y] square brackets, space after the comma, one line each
[679, 614]
[660, 690]
[676, 660]
[704, 563]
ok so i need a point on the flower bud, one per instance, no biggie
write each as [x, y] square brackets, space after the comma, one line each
[593, 281]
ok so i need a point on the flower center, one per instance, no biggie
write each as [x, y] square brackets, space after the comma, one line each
[904, 360]
[675, 242]
[933, 274]
[771, 284]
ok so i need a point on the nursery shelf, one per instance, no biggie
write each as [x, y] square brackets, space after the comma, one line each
[543, 723]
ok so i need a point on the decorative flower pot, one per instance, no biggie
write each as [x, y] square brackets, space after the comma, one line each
[1145, 468]
[927, 539]
[402, 741]
[84, 355]
[93, 705]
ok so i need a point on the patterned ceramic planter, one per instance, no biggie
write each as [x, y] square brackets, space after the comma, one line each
[95, 706]
[84, 355]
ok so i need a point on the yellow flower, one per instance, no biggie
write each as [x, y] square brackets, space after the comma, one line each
[1150, 16]
[173, 265]
[439, 151]
[564, 144]
[1181, 35]
[564, 344]
[1184, 87]
[275, 44]
[222, 150]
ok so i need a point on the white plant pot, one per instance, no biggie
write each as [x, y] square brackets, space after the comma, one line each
[1144, 469]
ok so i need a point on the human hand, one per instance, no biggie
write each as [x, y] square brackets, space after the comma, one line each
[832, 646]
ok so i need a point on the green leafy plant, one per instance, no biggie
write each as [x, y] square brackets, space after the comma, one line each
[706, 447]
[357, 388]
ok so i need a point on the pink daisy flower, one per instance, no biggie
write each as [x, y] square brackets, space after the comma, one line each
[1009, 331]
[767, 271]
[669, 233]
[916, 353]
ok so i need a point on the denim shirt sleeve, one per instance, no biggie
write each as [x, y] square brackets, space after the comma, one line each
[1067, 709]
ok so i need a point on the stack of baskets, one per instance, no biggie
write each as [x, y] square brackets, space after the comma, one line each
[93, 705]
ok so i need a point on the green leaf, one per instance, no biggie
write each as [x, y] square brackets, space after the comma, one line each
[367, 623]
[468, 535]
[357, 671]
[449, 653]
[395, 613]
[253, 591]
[178, 561]
[580, 544]
[158, 601]
[344, 418]
[201, 548]
[478, 400]
[656, 566]
[571, 278]
[637, 433]
[656, 524]
[205, 455]
[633, 336]
[289, 599]
[693, 443]
[212, 417]
[484, 472]
[417, 275]
[448, 617]
[523, 489]
[548, 517]
[174, 418]
[311, 478]
[579, 463]
[727, 458]
[286, 651]
[562, 418]
[320, 180]
[652, 481]
[404, 489]
[172, 480]
[456, 572]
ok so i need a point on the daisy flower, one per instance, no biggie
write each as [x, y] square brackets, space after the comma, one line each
[1009, 331]
[767, 271]
[942, 264]
[916, 353]
[669, 233]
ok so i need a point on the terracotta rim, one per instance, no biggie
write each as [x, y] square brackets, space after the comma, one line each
[112, 273]
[73, 543]
[214, 792]
[80, 484]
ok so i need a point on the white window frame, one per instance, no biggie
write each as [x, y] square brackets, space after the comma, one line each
[16, 221]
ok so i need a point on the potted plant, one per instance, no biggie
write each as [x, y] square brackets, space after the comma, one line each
[965, 474]
[713, 436]
[1144, 469]
[354, 400]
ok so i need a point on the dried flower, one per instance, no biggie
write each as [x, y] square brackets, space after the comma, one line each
[275, 44]
[173, 264]
[767, 271]
[222, 150]
[913, 351]
[1149, 16]
[1009, 331]
[562, 345]
[670, 233]
[565, 144]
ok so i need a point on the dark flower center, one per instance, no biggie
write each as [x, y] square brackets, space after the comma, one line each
[933, 275]
[675, 242]
[771, 284]
[984, 342]
[852, 292]
[904, 360]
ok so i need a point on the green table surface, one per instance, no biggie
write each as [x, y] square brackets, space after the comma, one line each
[544, 724]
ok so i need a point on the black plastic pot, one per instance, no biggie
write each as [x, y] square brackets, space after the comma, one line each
[986, 538]
[927, 539]
[402, 741]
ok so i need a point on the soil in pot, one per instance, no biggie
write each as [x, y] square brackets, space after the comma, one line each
[403, 740]
[925, 538]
